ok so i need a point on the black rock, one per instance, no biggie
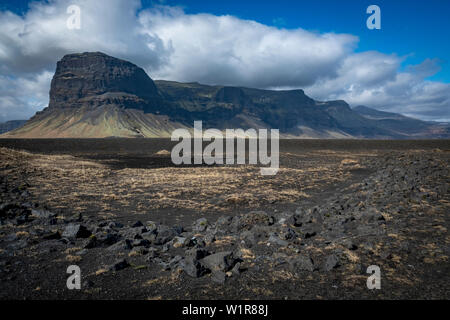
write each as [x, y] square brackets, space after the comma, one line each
[200, 225]
[236, 269]
[331, 262]
[193, 268]
[123, 245]
[119, 265]
[221, 261]
[247, 221]
[91, 242]
[107, 239]
[222, 224]
[301, 263]
[112, 225]
[88, 284]
[173, 263]
[196, 253]
[274, 239]
[288, 234]
[137, 224]
[73, 231]
[164, 234]
[219, 277]
[132, 233]
[141, 243]
[52, 236]
[248, 238]
[43, 214]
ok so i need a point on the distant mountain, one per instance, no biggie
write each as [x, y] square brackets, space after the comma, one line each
[401, 124]
[11, 125]
[95, 95]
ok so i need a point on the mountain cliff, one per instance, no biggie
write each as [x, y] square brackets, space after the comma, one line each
[95, 95]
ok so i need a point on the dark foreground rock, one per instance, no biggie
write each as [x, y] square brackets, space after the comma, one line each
[397, 219]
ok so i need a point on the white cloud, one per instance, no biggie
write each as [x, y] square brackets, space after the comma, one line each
[210, 49]
[231, 51]
[373, 79]
[21, 97]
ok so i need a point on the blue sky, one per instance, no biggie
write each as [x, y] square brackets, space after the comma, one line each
[321, 46]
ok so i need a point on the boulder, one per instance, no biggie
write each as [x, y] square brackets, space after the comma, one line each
[221, 261]
[119, 265]
[200, 225]
[301, 263]
[73, 231]
[331, 262]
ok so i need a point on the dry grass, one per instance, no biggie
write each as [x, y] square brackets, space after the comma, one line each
[65, 181]
[72, 258]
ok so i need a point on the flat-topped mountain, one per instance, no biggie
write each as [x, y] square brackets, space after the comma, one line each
[96, 95]
[95, 79]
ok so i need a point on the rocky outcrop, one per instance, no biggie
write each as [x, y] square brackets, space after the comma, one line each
[96, 79]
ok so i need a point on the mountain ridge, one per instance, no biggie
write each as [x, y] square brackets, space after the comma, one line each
[94, 95]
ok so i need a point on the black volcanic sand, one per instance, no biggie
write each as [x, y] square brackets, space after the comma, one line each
[141, 228]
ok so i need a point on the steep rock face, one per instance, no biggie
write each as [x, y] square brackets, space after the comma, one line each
[96, 79]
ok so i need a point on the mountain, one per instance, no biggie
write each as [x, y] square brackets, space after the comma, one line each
[401, 124]
[11, 125]
[95, 95]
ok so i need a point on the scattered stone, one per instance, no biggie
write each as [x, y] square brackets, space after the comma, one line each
[52, 236]
[107, 239]
[200, 225]
[137, 224]
[173, 263]
[123, 245]
[193, 267]
[197, 242]
[164, 234]
[152, 254]
[196, 253]
[82, 252]
[119, 265]
[87, 284]
[236, 270]
[115, 225]
[138, 251]
[331, 262]
[246, 222]
[349, 244]
[18, 244]
[221, 261]
[288, 234]
[179, 242]
[141, 243]
[219, 277]
[274, 239]
[43, 214]
[73, 231]
[373, 215]
[301, 263]
[248, 238]
[91, 242]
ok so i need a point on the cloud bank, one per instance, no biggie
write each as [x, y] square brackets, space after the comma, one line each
[170, 44]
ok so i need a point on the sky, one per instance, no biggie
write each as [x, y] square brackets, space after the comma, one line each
[321, 46]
